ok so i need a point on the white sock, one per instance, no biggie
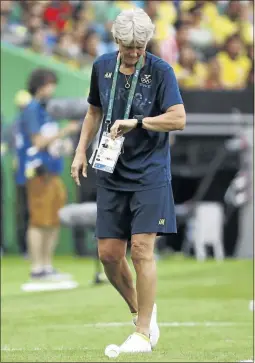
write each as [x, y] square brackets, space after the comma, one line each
[36, 269]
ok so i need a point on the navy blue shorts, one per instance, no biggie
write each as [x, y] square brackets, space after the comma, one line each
[120, 214]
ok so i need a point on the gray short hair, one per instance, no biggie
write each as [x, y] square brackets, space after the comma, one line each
[133, 26]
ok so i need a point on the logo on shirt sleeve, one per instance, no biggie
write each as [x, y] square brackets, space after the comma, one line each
[108, 75]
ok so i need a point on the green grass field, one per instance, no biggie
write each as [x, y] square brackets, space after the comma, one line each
[59, 326]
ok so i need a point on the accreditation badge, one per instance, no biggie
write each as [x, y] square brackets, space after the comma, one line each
[107, 154]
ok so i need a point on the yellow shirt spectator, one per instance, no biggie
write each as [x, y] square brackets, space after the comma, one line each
[166, 17]
[223, 27]
[167, 12]
[236, 19]
[209, 9]
[190, 73]
[234, 72]
[190, 79]
[210, 12]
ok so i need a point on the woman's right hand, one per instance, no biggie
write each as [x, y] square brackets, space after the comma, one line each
[79, 163]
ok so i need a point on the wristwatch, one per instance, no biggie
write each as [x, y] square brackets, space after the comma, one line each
[139, 119]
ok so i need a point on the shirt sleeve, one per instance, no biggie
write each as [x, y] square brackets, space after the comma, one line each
[169, 93]
[32, 122]
[94, 97]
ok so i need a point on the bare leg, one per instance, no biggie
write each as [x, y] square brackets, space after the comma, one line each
[49, 245]
[142, 248]
[35, 242]
[112, 254]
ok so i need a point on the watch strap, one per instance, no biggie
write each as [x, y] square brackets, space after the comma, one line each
[139, 119]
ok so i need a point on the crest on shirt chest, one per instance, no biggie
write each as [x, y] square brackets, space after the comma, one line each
[145, 80]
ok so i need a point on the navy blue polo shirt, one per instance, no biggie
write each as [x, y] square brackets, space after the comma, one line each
[145, 163]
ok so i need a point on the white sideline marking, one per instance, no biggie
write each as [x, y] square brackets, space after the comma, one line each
[165, 324]
[7, 349]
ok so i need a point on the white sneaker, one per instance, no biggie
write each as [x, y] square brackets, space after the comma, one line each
[154, 329]
[54, 275]
[136, 343]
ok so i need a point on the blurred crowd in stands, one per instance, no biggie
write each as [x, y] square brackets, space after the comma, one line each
[208, 43]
